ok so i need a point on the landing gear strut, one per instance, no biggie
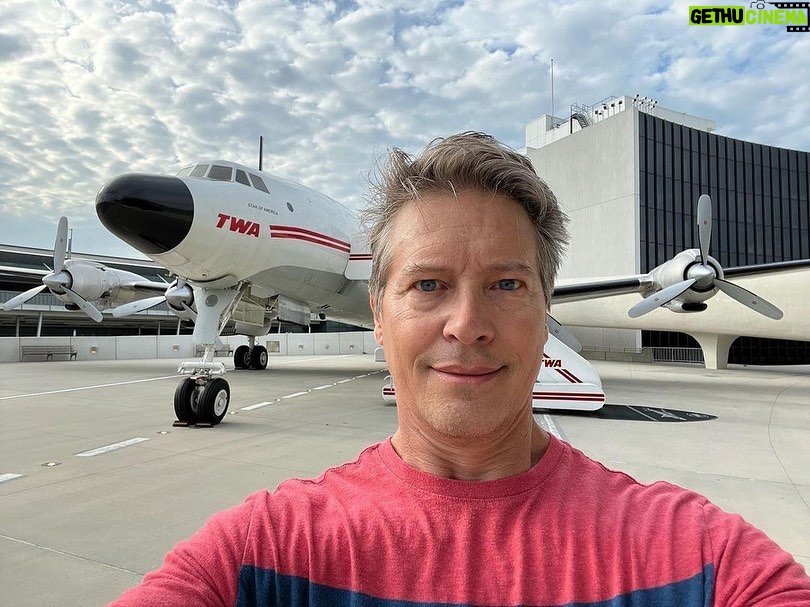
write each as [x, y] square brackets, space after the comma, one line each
[202, 399]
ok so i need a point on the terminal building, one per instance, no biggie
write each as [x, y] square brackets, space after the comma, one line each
[629, 174]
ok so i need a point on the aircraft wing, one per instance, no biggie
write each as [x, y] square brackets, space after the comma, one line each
[27, 274]
[765, 268]
[786, 284]
[592, 289]
[146, 286]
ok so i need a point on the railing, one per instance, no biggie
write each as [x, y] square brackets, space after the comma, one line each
[677, 355]
[612, 349]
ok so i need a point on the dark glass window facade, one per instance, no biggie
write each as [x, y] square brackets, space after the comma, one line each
[760, 207]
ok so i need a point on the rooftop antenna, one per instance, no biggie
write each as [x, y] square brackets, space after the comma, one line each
[552, 88]
[261, 145]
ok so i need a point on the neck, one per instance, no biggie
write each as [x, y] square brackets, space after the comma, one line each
[473, 459]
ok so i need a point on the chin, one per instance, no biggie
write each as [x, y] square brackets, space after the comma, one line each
[465, 419]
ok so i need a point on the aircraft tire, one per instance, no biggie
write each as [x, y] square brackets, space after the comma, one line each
[185, 401]
[241, 358]
[214, 400]
[258, 358]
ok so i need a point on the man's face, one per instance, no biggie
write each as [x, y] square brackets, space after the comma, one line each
[462, 317]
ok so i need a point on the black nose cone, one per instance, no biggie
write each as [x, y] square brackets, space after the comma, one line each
[153, 213]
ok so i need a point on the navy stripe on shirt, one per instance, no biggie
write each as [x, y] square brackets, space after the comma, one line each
[265, 588]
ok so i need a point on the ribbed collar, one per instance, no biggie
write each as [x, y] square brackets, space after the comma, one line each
[505, 487]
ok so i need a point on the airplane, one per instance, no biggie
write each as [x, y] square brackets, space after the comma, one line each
[282, 252]
[249, 248]
[82, 284]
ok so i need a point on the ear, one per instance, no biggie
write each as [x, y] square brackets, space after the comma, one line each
[378, 332]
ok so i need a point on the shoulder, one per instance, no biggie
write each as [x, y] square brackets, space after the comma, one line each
[614, 498]
[337, 485]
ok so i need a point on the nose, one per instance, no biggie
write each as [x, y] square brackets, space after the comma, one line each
[470, 319]
[153, 213]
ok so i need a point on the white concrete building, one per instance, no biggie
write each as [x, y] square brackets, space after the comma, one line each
[629, 173]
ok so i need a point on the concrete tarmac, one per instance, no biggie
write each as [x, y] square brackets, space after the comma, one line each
[96, 485]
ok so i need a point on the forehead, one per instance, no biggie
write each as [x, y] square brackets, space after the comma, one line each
[472, 226]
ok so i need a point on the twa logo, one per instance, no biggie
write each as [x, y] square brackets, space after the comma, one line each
[236, 224]
[556, 364]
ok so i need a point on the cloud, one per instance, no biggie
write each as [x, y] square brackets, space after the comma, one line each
[94, 89]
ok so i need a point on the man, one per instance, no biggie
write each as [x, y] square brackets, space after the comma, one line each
[470, 502]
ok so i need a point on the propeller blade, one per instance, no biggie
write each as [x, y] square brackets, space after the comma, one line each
[191, 312]
[22, 298]
[747, 298]
[85, 305]
[563, 334]
[704, 222]
[60, 245]
[659, 298]
[138, 306]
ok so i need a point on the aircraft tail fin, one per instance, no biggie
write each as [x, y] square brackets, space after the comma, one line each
[566, 381]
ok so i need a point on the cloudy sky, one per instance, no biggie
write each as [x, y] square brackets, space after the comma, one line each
[93, 88]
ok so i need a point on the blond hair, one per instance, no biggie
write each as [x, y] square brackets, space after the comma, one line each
[462, 162]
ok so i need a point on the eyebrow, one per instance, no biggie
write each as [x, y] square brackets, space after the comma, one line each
[413, 269]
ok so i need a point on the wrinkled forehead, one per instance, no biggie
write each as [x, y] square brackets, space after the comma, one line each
[488, 226]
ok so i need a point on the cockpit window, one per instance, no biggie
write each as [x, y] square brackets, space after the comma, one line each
[258, 183]
[185, 171]
[220, 173]
[242, 178]
[200, 170]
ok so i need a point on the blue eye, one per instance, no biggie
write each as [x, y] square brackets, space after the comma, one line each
[508, 284]
[427, 285]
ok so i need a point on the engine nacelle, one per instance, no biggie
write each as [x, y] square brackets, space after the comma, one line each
[91, 280]
[680, 268]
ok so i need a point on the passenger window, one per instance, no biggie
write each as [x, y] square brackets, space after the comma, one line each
[241, 177]
[258, 183]
[200, 170]
[220, 173]
[185, 171]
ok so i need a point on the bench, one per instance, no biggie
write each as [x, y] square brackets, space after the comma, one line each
[48, 351]
[223, 350]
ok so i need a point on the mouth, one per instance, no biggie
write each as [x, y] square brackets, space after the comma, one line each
[458, 374]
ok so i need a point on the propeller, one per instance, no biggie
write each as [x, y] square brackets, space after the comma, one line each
[140, 305]
[704, 276]
[22, 298]
[178, 295]
[659, 298]
[59, 280]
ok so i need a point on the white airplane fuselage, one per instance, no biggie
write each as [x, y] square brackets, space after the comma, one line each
[290, 241]
[249, 248]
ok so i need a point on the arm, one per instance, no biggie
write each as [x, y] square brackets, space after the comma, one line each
[200, 571]
[750, 569]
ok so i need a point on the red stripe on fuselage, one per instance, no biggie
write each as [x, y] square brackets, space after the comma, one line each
[588, 396]
[294, 233]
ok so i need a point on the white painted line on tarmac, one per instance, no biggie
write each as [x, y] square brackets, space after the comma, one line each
[294, 395]
[79, 388]
[70, 554]
[113, 447]
[306, 360]
[343, 381]
[256, 406]
[324, 387]
[9, 477]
